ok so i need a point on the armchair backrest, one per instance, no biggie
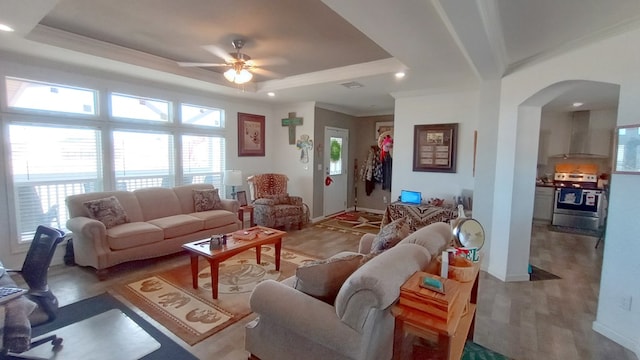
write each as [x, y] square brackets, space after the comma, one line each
[261, 185]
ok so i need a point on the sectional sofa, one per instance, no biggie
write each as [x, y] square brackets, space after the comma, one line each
[149, 222]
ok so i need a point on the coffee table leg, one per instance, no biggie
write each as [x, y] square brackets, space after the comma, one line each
[278, 247]
[194, 271]
[215, 267]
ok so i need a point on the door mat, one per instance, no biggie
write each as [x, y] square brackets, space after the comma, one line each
[577, 231]
[536, 274]
[357, 223]
[192, 314]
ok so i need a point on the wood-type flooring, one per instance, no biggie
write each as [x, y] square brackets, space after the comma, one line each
[547, 319]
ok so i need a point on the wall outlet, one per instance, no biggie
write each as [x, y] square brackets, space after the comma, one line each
[625, 303]
[384, 198]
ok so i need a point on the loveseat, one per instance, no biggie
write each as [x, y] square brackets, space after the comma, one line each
[359, 325]
[145, 223]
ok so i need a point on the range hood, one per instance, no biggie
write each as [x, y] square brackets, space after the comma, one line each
[580, 141]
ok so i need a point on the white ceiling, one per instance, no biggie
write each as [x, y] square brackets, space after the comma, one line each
[442, 45]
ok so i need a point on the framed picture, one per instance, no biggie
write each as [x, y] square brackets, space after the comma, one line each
[242, 197]
[627, 150]
[251, 135]
[382, 127]
[434, 147]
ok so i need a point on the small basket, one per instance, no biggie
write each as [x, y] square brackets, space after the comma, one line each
[460, 269]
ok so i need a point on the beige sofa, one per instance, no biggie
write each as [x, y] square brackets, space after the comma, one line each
[359, 325]
[160, 220]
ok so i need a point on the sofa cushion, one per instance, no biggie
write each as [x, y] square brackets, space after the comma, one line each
[178, 225]
[185, 195]
[156, 202]
[322, 279]
[204, 200]
[390, 235]
[215, 218]
[133, 234]
[107, 210]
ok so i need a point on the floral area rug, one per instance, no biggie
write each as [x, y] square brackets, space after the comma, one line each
[357, 223]
[192, 314]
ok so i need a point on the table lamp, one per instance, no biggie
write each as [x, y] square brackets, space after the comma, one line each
[233, 178]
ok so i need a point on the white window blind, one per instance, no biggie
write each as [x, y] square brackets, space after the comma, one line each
[203, 159]
[143, 160]
[48, 164]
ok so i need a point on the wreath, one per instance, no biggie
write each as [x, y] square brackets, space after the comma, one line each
[335, 150]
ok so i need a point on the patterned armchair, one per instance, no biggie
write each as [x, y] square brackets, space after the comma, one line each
[273, 207]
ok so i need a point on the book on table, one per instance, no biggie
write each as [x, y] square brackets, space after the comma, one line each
[245, 234]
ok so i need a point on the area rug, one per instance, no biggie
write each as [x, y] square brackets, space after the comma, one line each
[87, 308]
[358, 223]
[577, 231]
[537, 274]
[192, 314]
[473, 351]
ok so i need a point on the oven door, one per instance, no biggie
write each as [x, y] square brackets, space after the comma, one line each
[580, 202]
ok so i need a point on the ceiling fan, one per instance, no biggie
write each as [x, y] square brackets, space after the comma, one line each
[240, 65]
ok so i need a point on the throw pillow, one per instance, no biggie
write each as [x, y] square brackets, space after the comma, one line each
[390, 235]
[208, 199]
[108, 211]
[322, 279]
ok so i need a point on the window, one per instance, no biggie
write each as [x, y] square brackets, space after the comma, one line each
[335, 156]
[200, 115]
[51, 156]
[50, 97]
[133, 107]
[143, 160]
[203, 159]
[48, 164]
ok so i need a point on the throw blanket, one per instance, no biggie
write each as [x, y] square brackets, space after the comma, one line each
[17, 328]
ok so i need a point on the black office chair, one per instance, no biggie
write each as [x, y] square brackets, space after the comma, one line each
[34, 272]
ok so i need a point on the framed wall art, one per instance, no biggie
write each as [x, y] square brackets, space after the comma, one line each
[251, 135]
[242, 198]
[434, 147]
[626, 151]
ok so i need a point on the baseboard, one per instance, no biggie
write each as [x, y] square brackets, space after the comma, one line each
[616, 337]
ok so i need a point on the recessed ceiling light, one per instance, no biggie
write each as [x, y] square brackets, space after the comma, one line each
[271, 94]
[6, 28]
[400, 75]
[577, 104]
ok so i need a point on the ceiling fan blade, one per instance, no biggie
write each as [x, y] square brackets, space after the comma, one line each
[269, 61]
[194, 64]
[219, 52]
[267, 73]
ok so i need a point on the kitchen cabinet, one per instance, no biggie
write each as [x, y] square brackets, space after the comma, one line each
[543, 203]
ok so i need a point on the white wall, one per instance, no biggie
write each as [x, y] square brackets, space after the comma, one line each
[285, 158]
[615, 61]
[461, 108]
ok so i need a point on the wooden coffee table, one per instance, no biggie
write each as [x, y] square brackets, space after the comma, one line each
[233, 247]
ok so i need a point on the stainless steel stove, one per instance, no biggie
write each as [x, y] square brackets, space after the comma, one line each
[578, 201]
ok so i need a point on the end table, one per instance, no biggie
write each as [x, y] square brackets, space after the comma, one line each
[248, 209]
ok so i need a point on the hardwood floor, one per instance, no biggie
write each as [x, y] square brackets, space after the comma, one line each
[547, 319]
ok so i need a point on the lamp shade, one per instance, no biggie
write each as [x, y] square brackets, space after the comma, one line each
[238, 76]
[232, 177]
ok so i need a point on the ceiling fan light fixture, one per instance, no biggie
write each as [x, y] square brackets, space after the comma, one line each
[238, 76]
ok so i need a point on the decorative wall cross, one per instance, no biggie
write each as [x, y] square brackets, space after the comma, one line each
[292, 121]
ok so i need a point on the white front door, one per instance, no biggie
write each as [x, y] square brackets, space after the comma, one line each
[336, 144]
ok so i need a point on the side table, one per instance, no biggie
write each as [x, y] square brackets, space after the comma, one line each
[248, 209]
[448, 337]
